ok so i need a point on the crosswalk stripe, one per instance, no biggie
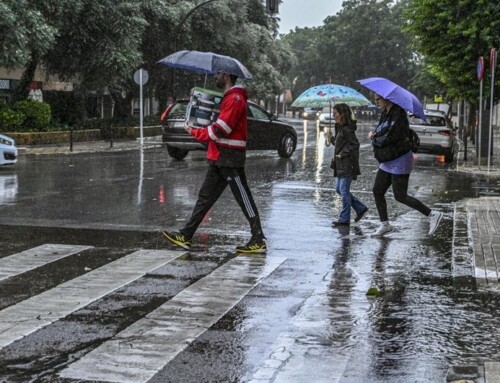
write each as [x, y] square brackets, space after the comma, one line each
[136, 354]
[36, 257]
[41, 310]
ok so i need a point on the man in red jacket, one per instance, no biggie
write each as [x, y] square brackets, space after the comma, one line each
[226, 155]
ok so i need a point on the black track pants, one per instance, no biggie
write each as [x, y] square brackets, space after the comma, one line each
[399, 182]
[216, 180]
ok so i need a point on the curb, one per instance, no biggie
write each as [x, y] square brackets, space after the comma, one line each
[90, 147]
[462, 251]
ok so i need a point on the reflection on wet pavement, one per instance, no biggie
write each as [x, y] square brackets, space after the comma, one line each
[310, 319]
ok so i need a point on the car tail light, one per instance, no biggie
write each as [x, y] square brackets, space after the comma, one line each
[446, 133]
[166, 112]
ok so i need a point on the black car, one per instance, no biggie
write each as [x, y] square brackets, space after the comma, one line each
[265, 132]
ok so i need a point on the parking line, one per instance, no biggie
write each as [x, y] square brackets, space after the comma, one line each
[136, 354]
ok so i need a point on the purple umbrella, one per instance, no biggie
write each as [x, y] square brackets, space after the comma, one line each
[394, 93]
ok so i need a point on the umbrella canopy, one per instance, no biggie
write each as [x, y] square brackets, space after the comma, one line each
[394, 93]
[324, 95]
[206, 63]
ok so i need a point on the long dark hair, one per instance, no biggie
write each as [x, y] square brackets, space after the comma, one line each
[346, 116]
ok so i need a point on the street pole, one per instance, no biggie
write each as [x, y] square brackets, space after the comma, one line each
[141, 112]
[480, 74]
[493, 64]
[176, 35]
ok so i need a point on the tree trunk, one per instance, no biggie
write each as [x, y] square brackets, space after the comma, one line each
[22, 91]
[122, 105]
[471, 121]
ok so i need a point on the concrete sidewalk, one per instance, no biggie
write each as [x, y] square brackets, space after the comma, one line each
[91, 147]
[476, 230]
[476, 247]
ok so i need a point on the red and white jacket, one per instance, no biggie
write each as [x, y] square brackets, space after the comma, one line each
[227, 137]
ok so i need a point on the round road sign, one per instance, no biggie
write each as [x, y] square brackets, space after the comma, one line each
[480, 68]
[137, 76]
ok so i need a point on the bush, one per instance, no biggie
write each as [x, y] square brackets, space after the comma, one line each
[10, 120]
[37, 115]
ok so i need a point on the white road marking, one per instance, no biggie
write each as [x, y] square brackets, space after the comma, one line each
[36, 257]
[136, 354]
[41, 310]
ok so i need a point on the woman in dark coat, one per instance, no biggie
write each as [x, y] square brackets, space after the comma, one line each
[346, 164]
[393, 151]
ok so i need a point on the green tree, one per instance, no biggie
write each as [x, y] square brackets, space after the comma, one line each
[452, 35]
[29, 29]
[307, 66]
[25, 32]
[237, 28]
[98, 44]
[366, 39]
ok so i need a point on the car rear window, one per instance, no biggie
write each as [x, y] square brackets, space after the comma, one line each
[257, 113]
[431, 121]
[179, 110]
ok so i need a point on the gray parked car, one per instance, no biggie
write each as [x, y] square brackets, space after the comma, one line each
[437, 136]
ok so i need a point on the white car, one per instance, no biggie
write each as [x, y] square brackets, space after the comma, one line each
[8, 150]
[436, 134]
[309, 114]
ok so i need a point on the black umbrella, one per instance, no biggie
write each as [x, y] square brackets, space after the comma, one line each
[206, 63]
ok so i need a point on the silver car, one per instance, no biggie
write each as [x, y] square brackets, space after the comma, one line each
[325, 117]
[8, 150]
[437, 136]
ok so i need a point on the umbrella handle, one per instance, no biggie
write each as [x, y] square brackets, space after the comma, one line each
[328, 136]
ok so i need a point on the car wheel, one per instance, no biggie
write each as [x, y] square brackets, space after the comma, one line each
[178, 154]
[287, 146]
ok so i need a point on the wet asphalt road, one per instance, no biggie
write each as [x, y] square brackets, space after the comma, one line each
[309, 319]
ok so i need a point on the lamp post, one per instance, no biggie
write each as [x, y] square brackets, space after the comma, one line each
[176, 35]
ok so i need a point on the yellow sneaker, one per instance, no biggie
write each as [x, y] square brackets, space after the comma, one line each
[178, 239]
[253, 246]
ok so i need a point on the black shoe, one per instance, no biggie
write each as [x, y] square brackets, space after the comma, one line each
[360, 215]
[253, 247]
[178, 239]
[338, 223]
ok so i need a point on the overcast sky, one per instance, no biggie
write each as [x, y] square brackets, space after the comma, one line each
[306, 13]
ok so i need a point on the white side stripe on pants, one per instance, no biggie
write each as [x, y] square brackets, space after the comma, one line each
[244, 195]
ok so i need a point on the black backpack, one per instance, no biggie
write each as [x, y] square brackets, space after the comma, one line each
[414, 141]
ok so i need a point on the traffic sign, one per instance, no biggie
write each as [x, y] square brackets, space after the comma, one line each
[480, 68]
[138, 77]
[141, 77]
[493, 59]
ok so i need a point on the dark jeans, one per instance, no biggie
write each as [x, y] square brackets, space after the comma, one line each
[399, 184]
[216, 180]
